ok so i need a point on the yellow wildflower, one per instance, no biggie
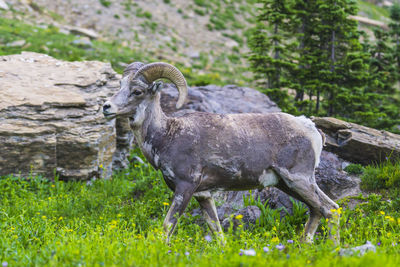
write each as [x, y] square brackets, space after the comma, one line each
[101, 166]
[53, 185]
[275, 239]
[44, 217]
[239, 217]
[119, 215]
[165, 204]
[60, 219]
[382, 212]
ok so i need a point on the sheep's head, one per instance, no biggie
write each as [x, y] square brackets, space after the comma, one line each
[137, 86]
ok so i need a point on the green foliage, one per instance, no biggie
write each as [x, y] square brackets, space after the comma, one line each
[313, 48]
[105, 3]
[118, 222]
[356, 169]
[385, 175]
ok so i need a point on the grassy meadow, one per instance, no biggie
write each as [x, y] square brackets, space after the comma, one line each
[118, 222]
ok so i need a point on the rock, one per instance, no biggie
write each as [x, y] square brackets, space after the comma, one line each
[3, 5]
[51, 119]
[83, 32]
[246, 217]
[333, 180]
[357, 143]
[359, 251]
[16, 43]
[231, 44]
[193, 54]
[216, 99]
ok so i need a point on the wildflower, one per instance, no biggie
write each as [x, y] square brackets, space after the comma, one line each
[169, 251]
[308, 261]
[248, 252]
[240, 253]
[101, 166]
[337, 249]
[44, 217]
[119, 215]
[290, 241]
[187, 253]
[389, 234]
[280, 247]
[382, 212]
[60, 219]
[266, 249]
[379, 243]
[275, 239]
[208, 238]
[53, 185]
[165, 204]
[4, 264]
[239, 217]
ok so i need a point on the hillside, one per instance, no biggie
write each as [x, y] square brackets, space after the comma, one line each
[204, 36]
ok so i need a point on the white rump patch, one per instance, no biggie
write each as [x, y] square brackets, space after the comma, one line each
[313, 133]
[268, 178]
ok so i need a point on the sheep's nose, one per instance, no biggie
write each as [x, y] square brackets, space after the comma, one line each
[106, 106]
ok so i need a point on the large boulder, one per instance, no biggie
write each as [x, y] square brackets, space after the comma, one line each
[51, 119]
[357, 143]
[218, 99]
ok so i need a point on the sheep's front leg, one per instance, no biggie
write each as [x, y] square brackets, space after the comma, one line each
[210, 213]
[181, 199]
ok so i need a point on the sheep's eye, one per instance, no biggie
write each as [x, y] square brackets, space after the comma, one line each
[136, 92]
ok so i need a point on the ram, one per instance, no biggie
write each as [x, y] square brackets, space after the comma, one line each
[201, 152]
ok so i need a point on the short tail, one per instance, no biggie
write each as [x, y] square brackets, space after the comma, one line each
[323, 136]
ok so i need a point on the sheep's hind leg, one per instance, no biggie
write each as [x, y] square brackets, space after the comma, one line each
[181, 199]
[304, 189]
[210, 213]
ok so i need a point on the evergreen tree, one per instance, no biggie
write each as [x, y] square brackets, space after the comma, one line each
[269, 57]
[395, 35]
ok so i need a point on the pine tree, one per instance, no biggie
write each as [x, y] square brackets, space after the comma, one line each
[269, 57]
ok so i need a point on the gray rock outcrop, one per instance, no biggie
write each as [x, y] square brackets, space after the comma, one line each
[217, 99]
[357, 143]
[51, 119]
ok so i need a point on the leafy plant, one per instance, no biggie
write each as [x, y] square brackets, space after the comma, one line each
[354, 169]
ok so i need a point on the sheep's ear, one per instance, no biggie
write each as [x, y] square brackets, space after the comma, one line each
[155, 87]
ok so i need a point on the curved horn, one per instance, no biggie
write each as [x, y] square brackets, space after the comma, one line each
[157, 70]
[132, 68]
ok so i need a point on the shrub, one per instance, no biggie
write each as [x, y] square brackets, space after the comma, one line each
[354, 169]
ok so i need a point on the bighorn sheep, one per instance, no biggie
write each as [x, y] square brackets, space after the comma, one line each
[200, 152]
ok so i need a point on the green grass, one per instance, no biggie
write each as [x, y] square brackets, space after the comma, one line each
[373, 11]
[50, 41]
[118, 222]
[385, 175]
[59, 45]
